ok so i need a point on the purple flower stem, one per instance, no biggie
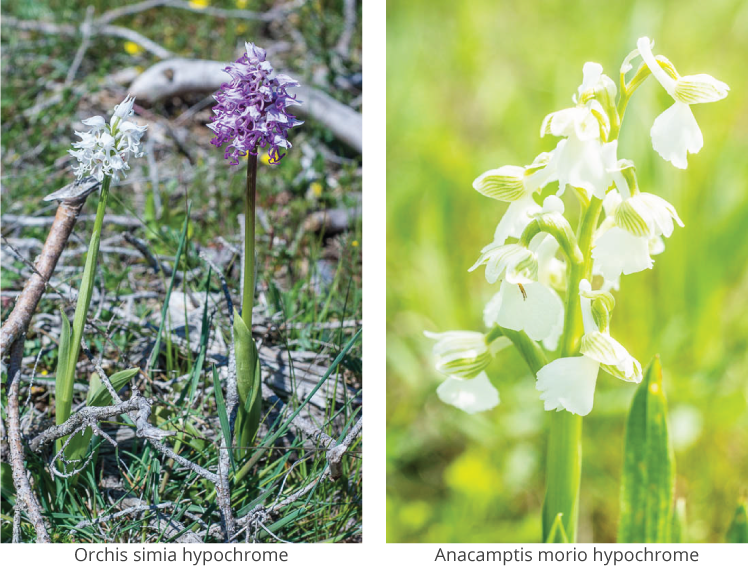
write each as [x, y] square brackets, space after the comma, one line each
[249, 241]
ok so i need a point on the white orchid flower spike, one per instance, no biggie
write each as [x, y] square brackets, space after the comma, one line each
[569, 383]
[675, 133]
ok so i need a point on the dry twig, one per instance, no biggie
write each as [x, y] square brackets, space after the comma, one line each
[24, 494]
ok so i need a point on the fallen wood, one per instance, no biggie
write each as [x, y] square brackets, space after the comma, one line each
[332, 221]
[179, 76]
[71, 199]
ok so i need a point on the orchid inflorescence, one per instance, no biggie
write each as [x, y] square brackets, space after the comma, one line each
[538, 258]
[252, 109]
[105, 149]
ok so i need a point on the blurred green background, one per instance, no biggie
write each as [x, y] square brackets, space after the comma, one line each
[468, 85]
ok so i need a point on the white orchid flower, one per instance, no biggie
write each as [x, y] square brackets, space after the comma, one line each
[516, 218]
[675, 133]
[516, 185]
[569, 383]
[583, 159]
[464, 353]
[470, 395]
[463, 356]
[512, 262]
[532, 306]
[633, 229]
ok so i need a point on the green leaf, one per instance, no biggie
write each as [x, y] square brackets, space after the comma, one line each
[648, 480]
[223, 416]
[738, 531]
[270, 439]
[557, 532]
[248, 385]
[63, 381]
[165, 309]
[678, 528]
[98, 396]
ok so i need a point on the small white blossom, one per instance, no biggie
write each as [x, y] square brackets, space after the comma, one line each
[675, 133]
[531, 306]
[569, 383]
[583, 159]
[463, 353]
[105, 149]
[633, 229]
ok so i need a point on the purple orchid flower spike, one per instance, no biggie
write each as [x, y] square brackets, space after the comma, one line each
[252, 109]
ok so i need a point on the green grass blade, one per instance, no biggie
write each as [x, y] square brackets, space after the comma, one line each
[557, 532]
[197, 367]
[165, 309]
[284, 426]
[738, 531]
[678, 529]
[648, 480]
[223, 416]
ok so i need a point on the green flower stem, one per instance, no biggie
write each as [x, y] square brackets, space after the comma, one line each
[64, 393]
[249, 242]
[530, 350]
[558, 227]
[564, 462]
[247, 361]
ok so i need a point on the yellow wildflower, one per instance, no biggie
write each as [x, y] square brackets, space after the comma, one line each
[133, 48]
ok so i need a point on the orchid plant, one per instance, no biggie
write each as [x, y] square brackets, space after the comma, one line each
[554, 299]
[103, 152]
[251, 114]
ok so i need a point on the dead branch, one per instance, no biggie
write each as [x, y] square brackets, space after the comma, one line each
[85, 43]
[67, 212]
[269, 16]
[179, 76]
[24, 493]
[344, 42]
[331, 222]
[35, 221]
[111, 31]
[335, 454]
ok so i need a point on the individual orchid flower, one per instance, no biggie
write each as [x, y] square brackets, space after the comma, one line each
[513, 262]
[516, 185]
[105, 149]
[675, 133]
[634, 227]
[464, 353]
[463, 356]
[583, 159]
[569, 383]
[533, 306]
